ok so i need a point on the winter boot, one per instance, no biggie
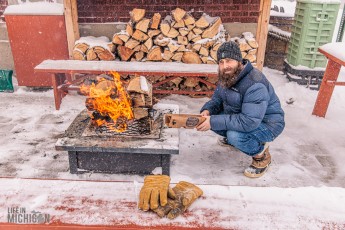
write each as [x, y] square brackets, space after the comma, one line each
[259, 164]
[223, 141]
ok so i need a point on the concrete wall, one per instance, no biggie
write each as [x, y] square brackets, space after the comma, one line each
[6, 59]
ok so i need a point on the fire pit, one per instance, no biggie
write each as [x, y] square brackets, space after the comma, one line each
[132, 151]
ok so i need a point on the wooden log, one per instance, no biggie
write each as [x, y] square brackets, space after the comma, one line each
[211, 62]
[124, 53]
[243, 44]
[140, 113]
[182, 40]
[112, 47]
[140, 36]
[177, 56]
[216, 46]
[253, 43]
[213, 79]
[156, 19]
[91, 55]
[243, 54]
[167, 54]
[153, 33]
[137, 99]
[143, 25]
[189, 46]
[251, 57]
[211, 31]
[137, 48]
[131, 43]
[178, 14]
[123, 37]
[188, 19]
[191, 82]
[252, 51]
[181, 48]
[116, 40]
[204, 59]
[135, 86]
[177, 81]
[191, 35]
[161, 40]
[129, 28]
[202, 22]
[196, 47]
[137, 14]
[173, 47]
[196, 38]
[190, 27]
[213, 54]
[139, 55]
[165, 28]
[204, 51]
[148, 43]
[173, 33]
[103, 54]
[143, 48]
[178, 24]
[197, 30]
[183, 31]
[191, 58]
[78, 55]
[83, 47]
[155, 54]
[209, 44]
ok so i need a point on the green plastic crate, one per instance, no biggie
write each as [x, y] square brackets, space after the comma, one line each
[6, 81]
[313, 27]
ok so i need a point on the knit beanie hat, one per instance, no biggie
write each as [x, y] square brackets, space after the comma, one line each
[229, 50]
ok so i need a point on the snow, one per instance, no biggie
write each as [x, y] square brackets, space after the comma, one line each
[92, 41]
[35, 8]
[289, 8]
[336, 49]
[276, 30]
[304, 187]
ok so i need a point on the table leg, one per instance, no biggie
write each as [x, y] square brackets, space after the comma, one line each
[166, 164]
[326, 90]
[57, 96]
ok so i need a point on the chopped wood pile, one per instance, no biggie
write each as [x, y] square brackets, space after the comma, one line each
[179, 37]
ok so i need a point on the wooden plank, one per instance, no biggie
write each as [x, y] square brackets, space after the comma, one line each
[71, 21]
[332, 57]
[262, 31]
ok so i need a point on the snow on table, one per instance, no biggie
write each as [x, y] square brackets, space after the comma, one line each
[230, 207]
[336, 49]
[120, 66]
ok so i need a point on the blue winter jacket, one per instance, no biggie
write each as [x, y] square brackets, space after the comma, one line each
[243, 107]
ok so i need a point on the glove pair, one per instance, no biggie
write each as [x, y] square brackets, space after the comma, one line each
[157, 196]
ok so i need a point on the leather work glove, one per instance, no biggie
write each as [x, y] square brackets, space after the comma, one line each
[185, 194]
[155, 190]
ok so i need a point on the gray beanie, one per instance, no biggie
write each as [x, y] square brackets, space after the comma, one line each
[229, 50]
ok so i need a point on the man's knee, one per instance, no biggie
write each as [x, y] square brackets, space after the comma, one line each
[233, 137]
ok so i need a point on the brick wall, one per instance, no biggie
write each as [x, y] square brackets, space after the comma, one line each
[3, 4]
[100, 11]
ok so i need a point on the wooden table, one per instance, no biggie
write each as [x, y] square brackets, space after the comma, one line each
[336, 58]
[60, 71]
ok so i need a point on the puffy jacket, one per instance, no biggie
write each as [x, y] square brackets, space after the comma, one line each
[247, 104]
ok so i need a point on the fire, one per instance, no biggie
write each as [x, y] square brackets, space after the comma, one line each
[109, 102]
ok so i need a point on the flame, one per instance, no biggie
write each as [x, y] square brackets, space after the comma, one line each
[109, 99]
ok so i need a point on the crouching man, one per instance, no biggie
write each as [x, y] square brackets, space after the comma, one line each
[244, 109]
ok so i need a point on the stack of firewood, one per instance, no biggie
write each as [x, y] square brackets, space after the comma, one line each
[179, 37]
[94, 49]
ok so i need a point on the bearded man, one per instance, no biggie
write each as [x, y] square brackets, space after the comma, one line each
[244, 109]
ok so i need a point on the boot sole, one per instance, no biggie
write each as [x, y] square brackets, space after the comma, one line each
[256, 175]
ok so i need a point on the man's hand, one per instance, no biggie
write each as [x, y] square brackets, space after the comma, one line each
[205, 113]
[206, 125]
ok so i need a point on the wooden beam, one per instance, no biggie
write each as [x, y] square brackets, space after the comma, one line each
[262, 31]
[71, 21]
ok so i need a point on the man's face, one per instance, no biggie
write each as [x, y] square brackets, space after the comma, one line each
[228, 70]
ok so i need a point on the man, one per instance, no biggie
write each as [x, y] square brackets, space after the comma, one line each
[244, 109]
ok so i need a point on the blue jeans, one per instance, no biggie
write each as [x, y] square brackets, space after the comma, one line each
[250, 143]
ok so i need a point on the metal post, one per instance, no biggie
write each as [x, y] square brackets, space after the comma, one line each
[341, 26]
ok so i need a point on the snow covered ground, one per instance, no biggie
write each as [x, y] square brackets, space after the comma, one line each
[307, 158]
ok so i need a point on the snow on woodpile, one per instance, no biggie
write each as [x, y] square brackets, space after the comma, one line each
[278, 33]
[93, 48]
[35, 8]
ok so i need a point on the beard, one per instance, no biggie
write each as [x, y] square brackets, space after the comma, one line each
[228, 77]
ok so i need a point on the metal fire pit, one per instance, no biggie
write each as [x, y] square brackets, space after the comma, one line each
[128, 154]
